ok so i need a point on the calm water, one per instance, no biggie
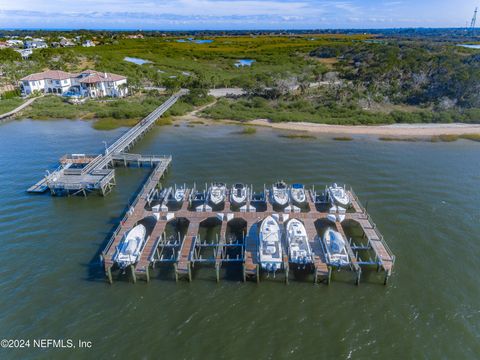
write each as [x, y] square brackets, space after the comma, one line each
[137, 61]
[424, 197]
[470, 46]
[244, 62]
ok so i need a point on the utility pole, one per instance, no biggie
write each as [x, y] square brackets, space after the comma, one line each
[474, 20]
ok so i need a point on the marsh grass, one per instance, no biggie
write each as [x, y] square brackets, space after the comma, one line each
[247, 130]
[343, 138]
[472, 137]
[297, 136]
[7, 105]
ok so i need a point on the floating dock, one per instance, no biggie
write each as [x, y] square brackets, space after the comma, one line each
[184, 252]
[80, 174]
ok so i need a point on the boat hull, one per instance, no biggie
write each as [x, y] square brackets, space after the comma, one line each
[131, 247]
[270, 248]
[335, 248]
[299, 249]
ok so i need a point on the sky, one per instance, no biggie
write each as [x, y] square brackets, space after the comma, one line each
[233, 14]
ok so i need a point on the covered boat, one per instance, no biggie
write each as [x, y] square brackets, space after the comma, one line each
[298, 247]
[130, 247]
[338, 196]
[238, 194]
[280, 193]
[297, 193]
[270, 247]
[197, 198]
[335, 248]
[217, 193]
[179, 194]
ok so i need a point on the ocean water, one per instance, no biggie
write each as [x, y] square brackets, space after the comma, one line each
[424, 198]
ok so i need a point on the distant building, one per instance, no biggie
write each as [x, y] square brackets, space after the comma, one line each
[25, 53]
[35, 44]
[88, 43]
[14, 43]
[134, 36]
[3, 45]
[66, 42]
[88, 83]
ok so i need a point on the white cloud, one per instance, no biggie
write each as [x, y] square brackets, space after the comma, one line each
[232, 14]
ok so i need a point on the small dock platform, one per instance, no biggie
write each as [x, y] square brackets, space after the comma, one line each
[81, 174]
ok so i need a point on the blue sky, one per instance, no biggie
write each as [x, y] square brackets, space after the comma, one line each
[236, 14]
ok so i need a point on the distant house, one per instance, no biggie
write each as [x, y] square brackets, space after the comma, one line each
[88, 83]
[66, 42]
[88, 43]
[134, 36]
[35, 44]
[3, 45]
[25, 53]
[14, 43]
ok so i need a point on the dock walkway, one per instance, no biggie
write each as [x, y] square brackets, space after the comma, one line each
[185, 256]
[98, 173]
[27, 103]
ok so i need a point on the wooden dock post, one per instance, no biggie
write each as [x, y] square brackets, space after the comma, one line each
[286, 275]
[175, 267]
[132, 271]
[109, 275]
[359, 274]
[147, 274]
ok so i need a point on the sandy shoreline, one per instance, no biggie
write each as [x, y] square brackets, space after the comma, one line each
[381, 130]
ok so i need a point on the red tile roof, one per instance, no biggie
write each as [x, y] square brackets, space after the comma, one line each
[50, 74]
[97, 76]
[91, 77]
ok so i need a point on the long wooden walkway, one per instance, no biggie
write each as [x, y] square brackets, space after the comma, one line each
[18, 109]
[97, 175]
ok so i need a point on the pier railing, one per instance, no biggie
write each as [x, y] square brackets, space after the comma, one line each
[160, 167]
[374, 226]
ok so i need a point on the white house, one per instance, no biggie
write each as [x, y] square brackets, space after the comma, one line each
[25, 53]
[35, 44]
[88, 43]
[14, 43]
[88, 83]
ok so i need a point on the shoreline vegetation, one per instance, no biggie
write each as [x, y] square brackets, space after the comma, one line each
[342, 83]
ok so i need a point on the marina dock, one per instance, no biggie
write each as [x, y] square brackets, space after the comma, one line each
[188, 248]
[80, 174]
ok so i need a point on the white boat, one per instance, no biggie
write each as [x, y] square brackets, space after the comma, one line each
[335, 248]
[217, 193]
[130, 247]
[298, 247]
[280, 193]
[179, 194]
[270, 247]
[238, 194]
[338, 196]
[297, 193]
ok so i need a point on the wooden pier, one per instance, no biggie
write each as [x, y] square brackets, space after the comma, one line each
[80, 174]
[187, 250]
